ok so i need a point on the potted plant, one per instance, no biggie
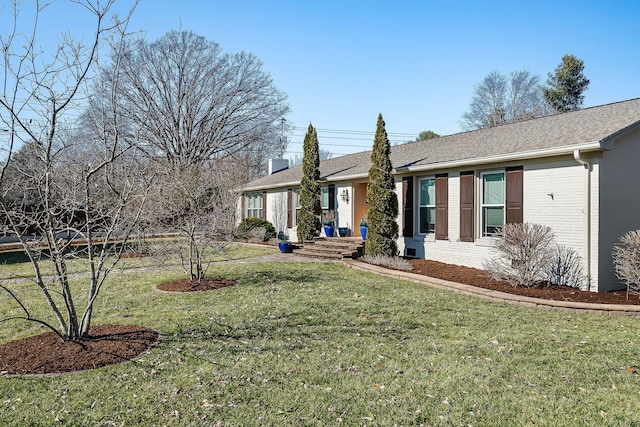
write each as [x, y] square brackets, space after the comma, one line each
[329, 221]
[285, 246]
[363, 227]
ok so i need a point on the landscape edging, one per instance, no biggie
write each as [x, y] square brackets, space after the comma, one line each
[613, 309]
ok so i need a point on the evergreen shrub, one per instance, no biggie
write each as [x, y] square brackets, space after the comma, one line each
[248, 224]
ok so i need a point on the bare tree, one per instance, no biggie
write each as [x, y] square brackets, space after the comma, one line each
[279, 213]
[626, 257]
[323, 153]
[499, 99]
[523, 254]
[63, 198]
[199, 202]
[566, 268]
[196, 103]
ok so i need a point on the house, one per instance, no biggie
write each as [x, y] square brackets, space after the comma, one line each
[576, 172]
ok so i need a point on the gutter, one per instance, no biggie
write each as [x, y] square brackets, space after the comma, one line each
[577, 155]
[526, 155]
[592, 146]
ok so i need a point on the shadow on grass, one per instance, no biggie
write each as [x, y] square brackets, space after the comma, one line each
[300, 329]
[309, 310]
[270, 273]
[13, 257]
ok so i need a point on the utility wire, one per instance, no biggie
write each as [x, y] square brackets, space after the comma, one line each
[356, 132]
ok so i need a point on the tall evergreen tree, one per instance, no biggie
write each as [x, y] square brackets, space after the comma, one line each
[566, 85]
[310, 210]
[382, 198]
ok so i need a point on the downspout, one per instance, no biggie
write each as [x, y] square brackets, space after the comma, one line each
[587, 229]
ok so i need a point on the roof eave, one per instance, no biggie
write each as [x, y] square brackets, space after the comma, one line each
[456, 164]
[524, 155]
[607, 143]
[272, 186]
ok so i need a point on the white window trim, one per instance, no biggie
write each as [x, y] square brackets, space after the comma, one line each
[420, 179]
[254, 206]
[322, 189]
[296, 207]
[482, 205]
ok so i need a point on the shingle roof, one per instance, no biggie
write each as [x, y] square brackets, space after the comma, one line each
[589, 128]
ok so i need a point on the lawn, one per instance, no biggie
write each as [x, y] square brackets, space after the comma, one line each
[319, 344]
[15, 264]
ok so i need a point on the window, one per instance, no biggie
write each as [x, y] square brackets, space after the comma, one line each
[427, 206]
[492, 202]
[254, 205]
[296, 206]
[324, 198]
[327, 199]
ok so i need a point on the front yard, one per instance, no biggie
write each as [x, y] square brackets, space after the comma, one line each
[319, 344]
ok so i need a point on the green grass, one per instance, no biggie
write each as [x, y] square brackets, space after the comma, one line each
[15, 264]
[317, 344]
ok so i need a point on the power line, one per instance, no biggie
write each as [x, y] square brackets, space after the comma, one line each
[338, 137]
[369, 146]
[356, 132]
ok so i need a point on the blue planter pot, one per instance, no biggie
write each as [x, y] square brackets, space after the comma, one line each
[285, 247]
[343, 231]
[328, 230]
[363, 233]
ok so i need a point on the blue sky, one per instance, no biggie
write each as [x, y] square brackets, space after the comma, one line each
[416, 62]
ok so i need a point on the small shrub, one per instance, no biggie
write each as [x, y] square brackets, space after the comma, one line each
[394, 262]
[248, 224]
[626, 257]
[256, 235]
[565, 268]
[524, 252]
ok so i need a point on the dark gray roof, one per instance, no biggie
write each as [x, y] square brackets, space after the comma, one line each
[588, 129]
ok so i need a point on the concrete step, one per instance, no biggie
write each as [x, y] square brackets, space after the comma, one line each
[332, 247]
[315, 254]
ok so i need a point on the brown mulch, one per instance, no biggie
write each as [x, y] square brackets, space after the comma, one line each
[482, 279]
[188, 285]
[48, 354]
[106, 345]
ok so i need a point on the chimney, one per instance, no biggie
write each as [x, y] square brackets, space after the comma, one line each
[277, 165]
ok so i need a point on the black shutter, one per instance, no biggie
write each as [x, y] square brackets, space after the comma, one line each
[264, 205]
[332, 197]
[407, 206]
[514, 192]
[289, 208]
[442, 208]
[466, 206]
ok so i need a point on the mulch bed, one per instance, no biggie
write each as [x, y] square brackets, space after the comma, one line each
[188, 285]
[48, 354]
[482, 279]
[107, 344]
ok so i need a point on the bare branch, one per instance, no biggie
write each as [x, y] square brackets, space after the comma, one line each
[63, 187]
[523, 252]
[626, 257]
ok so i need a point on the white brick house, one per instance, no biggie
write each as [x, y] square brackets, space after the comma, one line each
[577, 172]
